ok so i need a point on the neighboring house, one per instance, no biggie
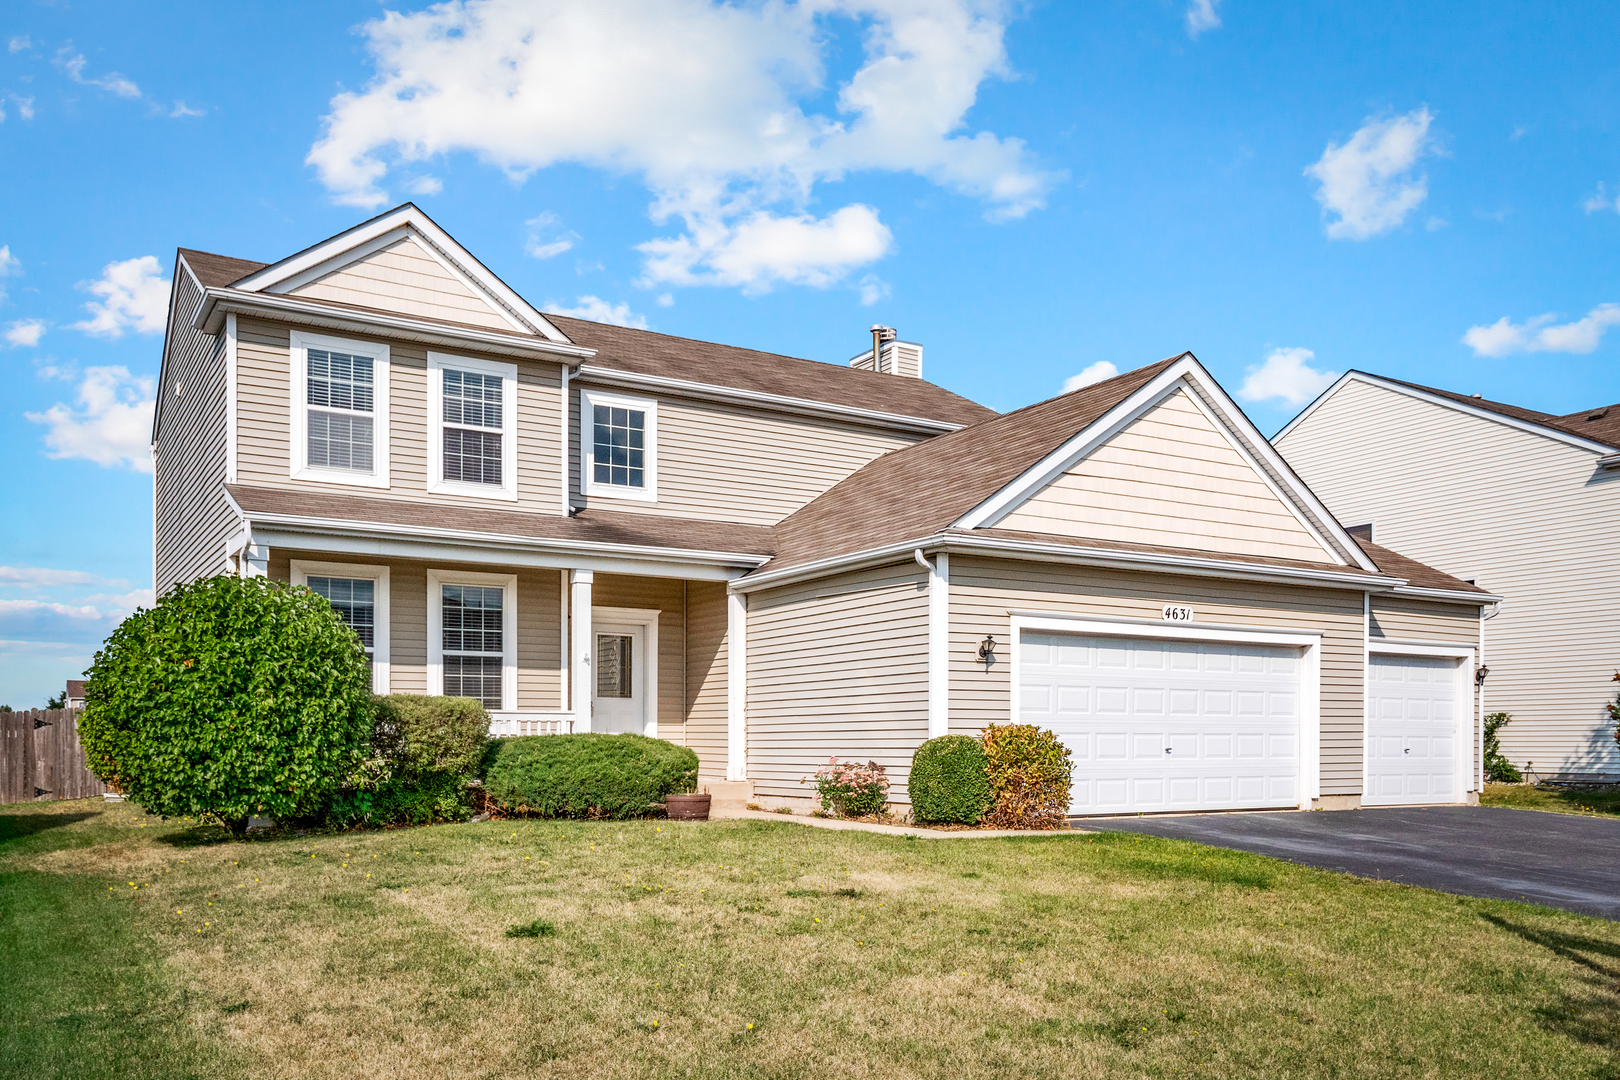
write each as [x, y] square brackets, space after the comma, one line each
[775, 560]
[1524, 504]
[74, 694]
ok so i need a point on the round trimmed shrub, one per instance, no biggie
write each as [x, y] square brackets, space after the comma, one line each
[424, 753]
[948, 782]
[1030, 773]
[231, 697]
[586, 776]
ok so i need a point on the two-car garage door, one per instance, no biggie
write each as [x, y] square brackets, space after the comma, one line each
[1157, 725]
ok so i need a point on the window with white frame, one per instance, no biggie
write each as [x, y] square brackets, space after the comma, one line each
[339, 410]
[359, 595]
[473, 405]
[473, 626]
[618, 445]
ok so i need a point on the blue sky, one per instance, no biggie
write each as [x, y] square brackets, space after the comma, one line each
[1033, 191]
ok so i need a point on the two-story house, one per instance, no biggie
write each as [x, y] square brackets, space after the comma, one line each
[775, 560]
[1525, 504]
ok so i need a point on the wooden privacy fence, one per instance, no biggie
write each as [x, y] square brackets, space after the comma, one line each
[40, 758]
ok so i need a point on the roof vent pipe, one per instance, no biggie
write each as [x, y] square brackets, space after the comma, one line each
[880, 334]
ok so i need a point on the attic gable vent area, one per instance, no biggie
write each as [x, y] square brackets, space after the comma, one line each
[889, 354]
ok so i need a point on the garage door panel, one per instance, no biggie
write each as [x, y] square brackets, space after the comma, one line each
[1413, 730]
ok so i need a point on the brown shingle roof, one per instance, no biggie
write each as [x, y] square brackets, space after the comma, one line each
[1601, 424]
[664, 356]
[1416, 574]
[913, 492]
[588, 526]
[218, 271]
[1604, 428]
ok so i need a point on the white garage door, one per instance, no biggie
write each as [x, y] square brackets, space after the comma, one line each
[1412, 730]
[1161, 725]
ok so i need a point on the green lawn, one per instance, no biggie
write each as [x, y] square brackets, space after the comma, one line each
[131, 947]
[1592, 802]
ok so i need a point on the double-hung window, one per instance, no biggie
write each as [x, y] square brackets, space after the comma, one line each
[473, 624]
[339, 410]
[473, 405]
[618, 446]
[359, 595]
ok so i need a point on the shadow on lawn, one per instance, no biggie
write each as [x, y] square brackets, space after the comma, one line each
[1590, 1014]
[17, 826]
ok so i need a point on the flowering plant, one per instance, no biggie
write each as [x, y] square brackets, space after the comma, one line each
[852, 789]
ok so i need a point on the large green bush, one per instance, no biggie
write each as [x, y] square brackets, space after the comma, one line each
[231, 697]
[586, 776]
[424, 753]
[949, 781]
[1029, 774]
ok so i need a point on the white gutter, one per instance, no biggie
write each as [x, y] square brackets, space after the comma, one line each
[1448, 594]
[1608, 462]
[709, 392]
[217, 303]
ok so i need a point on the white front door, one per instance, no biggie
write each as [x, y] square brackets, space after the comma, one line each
[1157, 724]
[1412, 730]
[619, 699]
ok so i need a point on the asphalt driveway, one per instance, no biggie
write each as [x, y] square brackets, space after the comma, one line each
[1558, 860]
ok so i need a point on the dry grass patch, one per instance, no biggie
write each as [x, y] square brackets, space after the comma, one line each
[390, 954]
[1587, 802]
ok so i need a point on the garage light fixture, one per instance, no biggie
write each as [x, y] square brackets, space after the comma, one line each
[1479, 675]
[987, 651]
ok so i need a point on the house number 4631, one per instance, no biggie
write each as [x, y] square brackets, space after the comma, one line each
[1177, 613]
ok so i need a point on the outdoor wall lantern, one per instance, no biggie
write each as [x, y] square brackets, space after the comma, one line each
[987, 651]
[1479, 675]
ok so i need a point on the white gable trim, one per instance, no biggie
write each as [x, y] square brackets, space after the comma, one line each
[1204, 392]
[1446, 403]
[383, 230]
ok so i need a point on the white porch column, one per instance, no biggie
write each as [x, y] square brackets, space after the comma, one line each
[736, 686]
[939, 646]
[255, 558]
[580, 646]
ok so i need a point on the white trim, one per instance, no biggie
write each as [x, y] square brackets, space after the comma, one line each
[301, 569]
[939, 643]
[1463, 754]
[1310, 673]
[564, 450]
[437, 362]
[579, 649]
[633, 380]
[300, 342]
[647, 619]
[1456, 595]
[563, 670]
[588, 486]
[736, 686]
[1533, 428]
[230, 399]
[503, 723]
[507, 583]
[1479, 706]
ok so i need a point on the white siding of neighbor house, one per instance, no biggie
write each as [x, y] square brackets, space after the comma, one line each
[837, 667]
[985, 593]
[1525, 516]
[264, 374]
[192, 521]
[1170, 479]
[406, 279]
[728, 463]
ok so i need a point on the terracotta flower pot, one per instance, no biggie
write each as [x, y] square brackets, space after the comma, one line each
[687, 807]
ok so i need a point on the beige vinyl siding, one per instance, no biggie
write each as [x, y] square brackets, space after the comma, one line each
[264, 418]
[1402, 619]
[406, 279]
[1169, 478]
[727, 463]
[985, 592]
[191, 519]
[539, 643]
[1529, 518]
[837, 667]
[707, 649]
[668, 597]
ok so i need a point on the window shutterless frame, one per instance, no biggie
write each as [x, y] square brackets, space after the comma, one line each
[436, 580]
[302, 570]
[634, 409]
[470, 423]
[339, 408]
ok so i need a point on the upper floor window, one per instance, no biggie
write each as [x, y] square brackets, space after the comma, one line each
[473, 405]
[359, 595]
[618, 444]
[339, 410]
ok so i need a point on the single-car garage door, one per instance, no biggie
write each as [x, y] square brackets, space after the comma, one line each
[1412, 730]
[1160, 725]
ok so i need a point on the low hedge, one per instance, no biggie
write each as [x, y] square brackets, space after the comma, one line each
[586, 776]
[425, 751]
[948, 781]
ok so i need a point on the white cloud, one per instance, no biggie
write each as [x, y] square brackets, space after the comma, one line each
[134, 296]
[1286, 376]
[1201, 16]
[19, 42]
[74, 64]
[36, 576]
[182, 109]
[10, 266]
[1504, 337]
[25, 106]
[1601, 201]
[1094, 373]
[666, 300]
[52, 368]
[873, 289]
[112, 425]
[596, 309]
[1368, 183]
[25, 332]
[707, 102]
[425, 185]
[547, 237]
